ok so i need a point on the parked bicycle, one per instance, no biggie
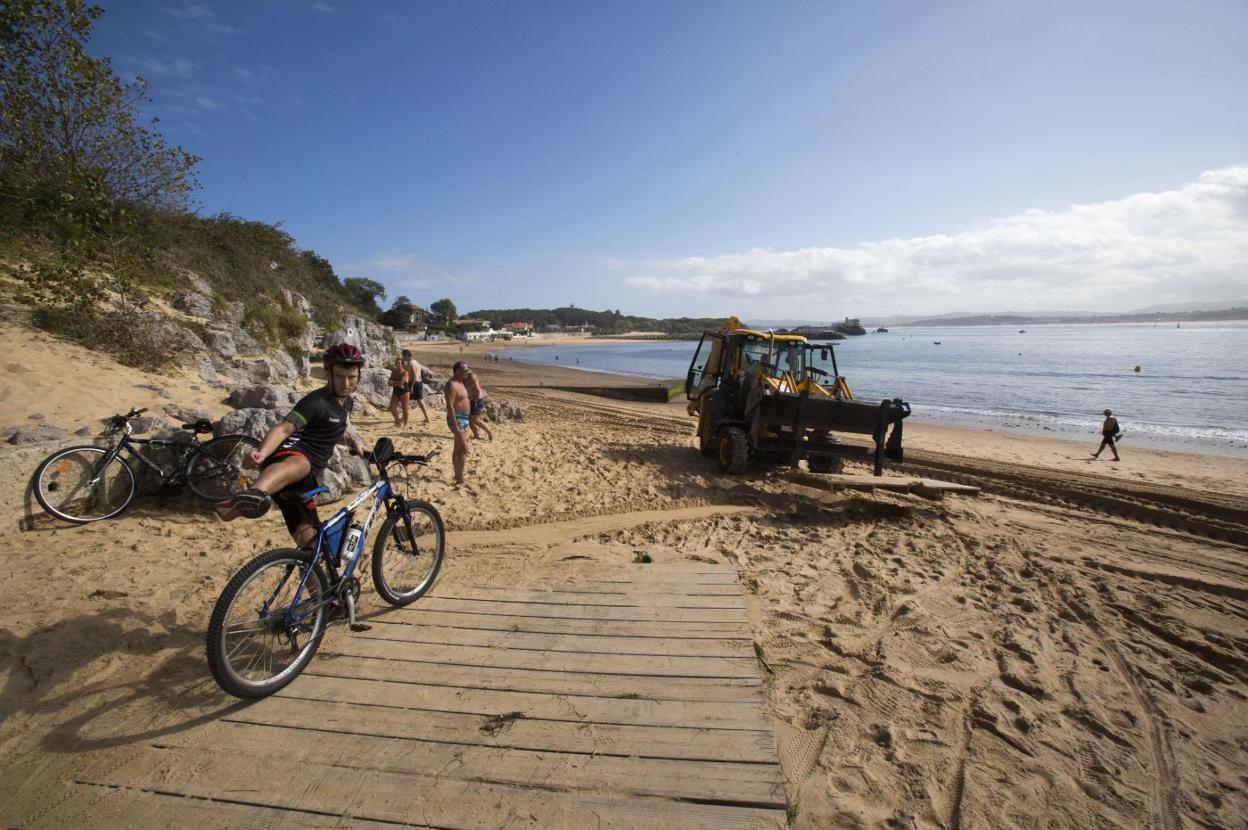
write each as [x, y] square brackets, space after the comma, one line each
[90, 483]
[269, 621]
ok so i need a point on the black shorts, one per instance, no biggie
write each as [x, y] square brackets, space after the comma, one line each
[417, 390]
[296, 511]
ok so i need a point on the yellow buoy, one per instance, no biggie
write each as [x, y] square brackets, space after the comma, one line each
[1137, 368]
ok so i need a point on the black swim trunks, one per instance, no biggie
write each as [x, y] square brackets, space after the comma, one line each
[296, 511]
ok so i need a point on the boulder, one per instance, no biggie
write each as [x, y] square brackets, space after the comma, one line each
[197, 282]
[207, 372]
[183, 415]
[376, 342]
[159, 390]
[145, 424]
[338, 484]
[502, 410]
[194, 304]
[233, 313]
[276, 366]
[298, 302]
[37, 435]
[255, 422]
[352, 466]
[262, 396]
[221, 343]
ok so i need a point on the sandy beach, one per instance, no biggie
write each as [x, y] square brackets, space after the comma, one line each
[1068, 649]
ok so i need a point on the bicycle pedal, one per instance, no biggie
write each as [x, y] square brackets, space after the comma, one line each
[360, 627]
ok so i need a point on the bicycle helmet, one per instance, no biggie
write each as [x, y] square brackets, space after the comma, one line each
[345, 354]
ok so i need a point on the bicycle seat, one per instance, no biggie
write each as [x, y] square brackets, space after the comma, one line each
[203, 426]
[313, 493]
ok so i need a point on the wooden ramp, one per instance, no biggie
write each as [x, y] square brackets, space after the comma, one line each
[634, 701]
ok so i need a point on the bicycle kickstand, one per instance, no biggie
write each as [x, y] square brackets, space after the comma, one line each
[352, 624]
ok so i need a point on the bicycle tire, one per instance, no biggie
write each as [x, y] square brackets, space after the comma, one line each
[393, 554]
[217, 462]
[226, 648]
[59, 482]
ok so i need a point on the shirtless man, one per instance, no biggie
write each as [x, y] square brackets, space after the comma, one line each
[458, 405]
[299, 447]
[399, 390]
[415, 381]
[476, 414]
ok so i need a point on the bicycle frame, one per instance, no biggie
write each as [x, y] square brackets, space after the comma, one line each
[379, 491]
[128, 443]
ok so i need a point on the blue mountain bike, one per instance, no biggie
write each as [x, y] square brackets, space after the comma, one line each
[269, 620]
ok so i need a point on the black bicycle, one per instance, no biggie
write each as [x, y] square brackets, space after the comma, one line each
[90, 483]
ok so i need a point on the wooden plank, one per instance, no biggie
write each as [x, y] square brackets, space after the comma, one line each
[738, 746]
[484, 702]
[632, 599]
[743, 692]
[313, 786]
[636, 614]
[372, 644]
[427, 763]
[419, 615]
[570, 643]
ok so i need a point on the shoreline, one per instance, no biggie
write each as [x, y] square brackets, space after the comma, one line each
[1005, 423]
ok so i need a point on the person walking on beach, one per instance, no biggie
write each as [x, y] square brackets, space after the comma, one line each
[476, 394]
[399, 390]
[415, 382]
[1109, 433]
[458, 406]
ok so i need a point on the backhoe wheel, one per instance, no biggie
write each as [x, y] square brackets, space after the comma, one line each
[734, 449]
[826, 464]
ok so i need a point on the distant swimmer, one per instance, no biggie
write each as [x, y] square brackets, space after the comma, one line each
[1109, 435]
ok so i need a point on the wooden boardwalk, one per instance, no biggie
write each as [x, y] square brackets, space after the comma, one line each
[634, 701]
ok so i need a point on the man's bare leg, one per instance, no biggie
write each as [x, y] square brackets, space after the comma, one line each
[406, 410]
[477, 421]
[460, 456]
[273, 478]
[421, 403]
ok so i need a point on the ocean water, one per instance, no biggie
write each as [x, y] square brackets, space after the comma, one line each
[1191, 390]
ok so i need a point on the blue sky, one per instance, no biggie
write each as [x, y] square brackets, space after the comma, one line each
[804, 160]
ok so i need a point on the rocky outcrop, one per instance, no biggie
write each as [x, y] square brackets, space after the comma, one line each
[194, 304]
[198, 283]
[502, 410]
[37, 435]
[252, 421]
[376, 342]
[262, 396]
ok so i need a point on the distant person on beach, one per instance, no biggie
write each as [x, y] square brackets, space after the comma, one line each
[458, 406]
[476, 394]
[297, 449]
[1109, 434]
[398, 393]
[415, 382]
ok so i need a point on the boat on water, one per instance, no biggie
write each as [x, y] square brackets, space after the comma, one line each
[1022, 331]
[881, 330]
[935, 342]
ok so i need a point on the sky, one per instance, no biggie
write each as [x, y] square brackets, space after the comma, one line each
[799, 160]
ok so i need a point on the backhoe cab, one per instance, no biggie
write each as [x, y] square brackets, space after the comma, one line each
[779, 398]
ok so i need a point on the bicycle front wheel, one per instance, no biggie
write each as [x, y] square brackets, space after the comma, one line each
[77, 485]
[215, 470]
[406, 559]
[264, 628]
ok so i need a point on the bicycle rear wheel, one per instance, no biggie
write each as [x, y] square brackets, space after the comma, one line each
[259, 638]
[215, 470]
[405, 564]
[76, 485]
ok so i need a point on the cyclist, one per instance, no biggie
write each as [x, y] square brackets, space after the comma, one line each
[294, 451]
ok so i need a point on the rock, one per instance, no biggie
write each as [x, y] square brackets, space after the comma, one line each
[221, 343]
[206, 370]
[164, 457]
[376, 342]
[277, 366]
[233, 313]
[262, 396]
[159, 390]
[145, 424]
[84, 432]
[184, 415]
[502, 410]
[298, 302]
[352, 466]
[38, 416]
[194, 304]
[37, 435]
[244, 342]
[338, 484]
[254, 422]
[197, 282]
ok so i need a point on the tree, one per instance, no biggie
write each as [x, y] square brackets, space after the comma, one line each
[364, 294]
[444, 312]
[399, 315]
[68, 126]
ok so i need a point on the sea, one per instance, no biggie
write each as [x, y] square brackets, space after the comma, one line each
[1177, 386]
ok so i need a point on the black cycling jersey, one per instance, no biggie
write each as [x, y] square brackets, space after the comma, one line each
[321, 422]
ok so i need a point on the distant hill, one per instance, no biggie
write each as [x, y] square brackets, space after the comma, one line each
[1232, 313]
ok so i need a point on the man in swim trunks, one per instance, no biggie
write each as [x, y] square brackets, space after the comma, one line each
[458, 406]
[1109, 435]
[399, 391]
[416, 381]
[294, 451]
[476, 414]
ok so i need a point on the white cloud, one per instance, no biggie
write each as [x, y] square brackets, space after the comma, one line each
[405, 274]
[324, 7]
[178, 67]
[1186, 244]
[208, 103]
[245, 74]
